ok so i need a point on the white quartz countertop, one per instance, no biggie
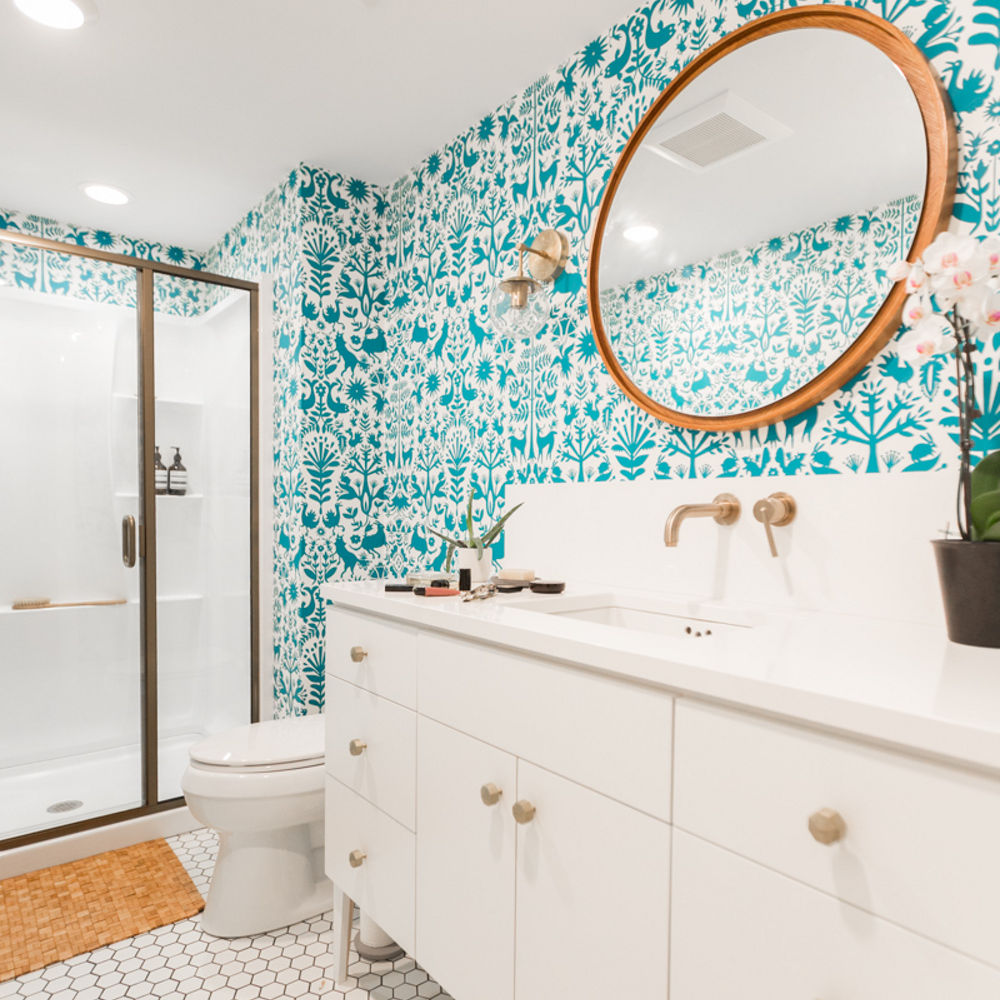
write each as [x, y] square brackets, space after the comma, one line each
[891, 682]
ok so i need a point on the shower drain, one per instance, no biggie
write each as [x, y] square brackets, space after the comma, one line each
[67, 805]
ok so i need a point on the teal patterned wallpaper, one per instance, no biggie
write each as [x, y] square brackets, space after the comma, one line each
[34, 270]
[470, 407]
[392, 395]
[320, 237]
[749, 326]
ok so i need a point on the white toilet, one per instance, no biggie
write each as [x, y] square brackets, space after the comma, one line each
[261, 787]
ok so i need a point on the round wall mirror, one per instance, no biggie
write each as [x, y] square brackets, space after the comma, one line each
[738, 266]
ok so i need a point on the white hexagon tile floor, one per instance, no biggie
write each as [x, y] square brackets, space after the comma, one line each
[178, 962]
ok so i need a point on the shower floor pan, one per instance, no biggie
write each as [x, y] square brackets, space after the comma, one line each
[69, 789]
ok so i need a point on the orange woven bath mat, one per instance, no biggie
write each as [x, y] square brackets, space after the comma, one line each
[54, 913]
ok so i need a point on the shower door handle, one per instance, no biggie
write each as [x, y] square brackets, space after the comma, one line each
[128, 540]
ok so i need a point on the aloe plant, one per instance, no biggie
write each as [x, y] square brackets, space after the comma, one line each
[471, 540]
[985, 504]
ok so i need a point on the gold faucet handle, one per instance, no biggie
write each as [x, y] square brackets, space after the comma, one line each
[774, 511]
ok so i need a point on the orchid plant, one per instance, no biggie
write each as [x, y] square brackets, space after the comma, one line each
[953, 293]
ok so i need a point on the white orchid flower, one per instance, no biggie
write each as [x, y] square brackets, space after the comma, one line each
[916, 308]
[932, 335]
[990, 248]
[950, 252]
[961, 284]
[987, 312]
[916, 280]
[900, 270]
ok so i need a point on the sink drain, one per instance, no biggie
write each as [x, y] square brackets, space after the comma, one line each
[67, 805]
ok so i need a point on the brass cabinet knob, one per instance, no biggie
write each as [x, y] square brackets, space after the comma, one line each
[827, 826]
[490, 794]
[357, 747]
[524, 811]
[358, 653]
[356, 858]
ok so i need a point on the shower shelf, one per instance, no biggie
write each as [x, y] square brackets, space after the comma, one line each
[162, 496]
[172, 598]
[166, 400]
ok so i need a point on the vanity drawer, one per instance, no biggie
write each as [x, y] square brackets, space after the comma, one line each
[387, 664]
[741, 931]
[383, 770]
[609, 735]
[383, 884]
[920, 845]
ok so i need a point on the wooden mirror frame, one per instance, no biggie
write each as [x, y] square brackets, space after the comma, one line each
[939, 193]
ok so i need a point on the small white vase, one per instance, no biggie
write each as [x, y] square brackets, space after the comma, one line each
[482, 568]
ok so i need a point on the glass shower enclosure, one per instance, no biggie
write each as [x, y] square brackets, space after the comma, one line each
[128, 529]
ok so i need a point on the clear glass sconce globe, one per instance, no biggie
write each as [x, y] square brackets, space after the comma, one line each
[519, 307]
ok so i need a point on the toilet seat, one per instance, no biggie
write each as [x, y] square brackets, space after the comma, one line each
[263, 747]
[251, 783]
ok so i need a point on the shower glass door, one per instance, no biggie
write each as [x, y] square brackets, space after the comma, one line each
[203, 516]
[70, 636]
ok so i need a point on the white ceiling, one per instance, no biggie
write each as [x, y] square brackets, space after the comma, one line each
[198, 107]
[857, 140]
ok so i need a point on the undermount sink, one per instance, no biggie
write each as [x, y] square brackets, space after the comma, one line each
[638, 614]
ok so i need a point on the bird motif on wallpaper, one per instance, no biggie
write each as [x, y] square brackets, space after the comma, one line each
[970, 93]
[657, 37]
[620, 61]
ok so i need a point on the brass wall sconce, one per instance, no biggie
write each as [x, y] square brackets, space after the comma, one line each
[519, 305]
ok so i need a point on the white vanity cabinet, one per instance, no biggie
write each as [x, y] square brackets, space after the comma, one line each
[465, 862]
[579, 876]
[532, 830]
[743, 932]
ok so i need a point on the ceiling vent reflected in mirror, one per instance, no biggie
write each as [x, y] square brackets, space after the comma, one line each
[714, 131]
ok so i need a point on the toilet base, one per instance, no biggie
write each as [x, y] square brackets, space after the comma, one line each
[264, 880]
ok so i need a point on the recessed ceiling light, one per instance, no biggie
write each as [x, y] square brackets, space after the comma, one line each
[105, 194]
[65, 14]
[641, 233]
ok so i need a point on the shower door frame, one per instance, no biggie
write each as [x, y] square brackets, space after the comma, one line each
[145, 273]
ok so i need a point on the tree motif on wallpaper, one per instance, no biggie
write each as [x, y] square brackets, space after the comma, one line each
[546, 164]
[43, 271]
[717, 334]
[383, 351]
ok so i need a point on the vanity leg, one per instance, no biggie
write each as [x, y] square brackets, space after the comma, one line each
[343, 918]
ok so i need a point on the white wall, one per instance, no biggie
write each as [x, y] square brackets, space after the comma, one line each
[859, 544]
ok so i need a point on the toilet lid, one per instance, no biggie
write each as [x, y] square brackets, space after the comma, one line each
[280, 741]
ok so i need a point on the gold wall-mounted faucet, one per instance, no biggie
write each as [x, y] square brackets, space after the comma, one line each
[774, 511]
[725, 509]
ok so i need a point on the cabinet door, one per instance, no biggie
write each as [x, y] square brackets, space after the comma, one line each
[593, 895]
[742, 932]
[465, 864]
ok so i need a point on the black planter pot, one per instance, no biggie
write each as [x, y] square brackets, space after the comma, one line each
[970, 585]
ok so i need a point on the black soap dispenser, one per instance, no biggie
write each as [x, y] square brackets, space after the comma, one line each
[177, 477]
[159, 472]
